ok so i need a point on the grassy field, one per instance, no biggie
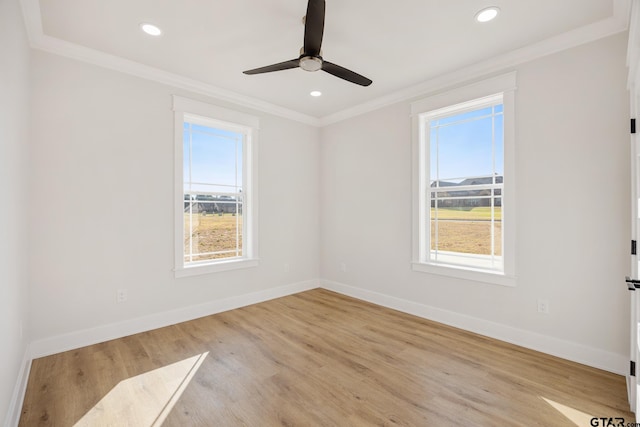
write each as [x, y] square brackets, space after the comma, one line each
[211, 233]
[467, 230]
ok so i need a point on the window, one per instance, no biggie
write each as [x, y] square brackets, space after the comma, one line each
[216, 225]
[463, 182]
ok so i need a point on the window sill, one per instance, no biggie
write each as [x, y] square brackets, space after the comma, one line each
[197, 270]
[466, 273]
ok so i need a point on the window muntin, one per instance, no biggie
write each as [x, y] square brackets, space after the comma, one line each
[465, 181]
[213, 190]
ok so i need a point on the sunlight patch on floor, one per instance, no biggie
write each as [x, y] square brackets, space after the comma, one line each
[143, 400]
[579, 418]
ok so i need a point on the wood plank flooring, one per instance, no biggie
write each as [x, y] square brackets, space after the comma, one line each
[315, 359]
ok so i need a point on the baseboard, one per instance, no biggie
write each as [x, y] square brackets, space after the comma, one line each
[84, 337]
[15, 406]
[568, 350]
[576, 352]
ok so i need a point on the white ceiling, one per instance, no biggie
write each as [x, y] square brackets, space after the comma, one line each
[398, 44]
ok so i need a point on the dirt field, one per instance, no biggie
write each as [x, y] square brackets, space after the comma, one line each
[467, 230]
[213, 233]
[460, 230]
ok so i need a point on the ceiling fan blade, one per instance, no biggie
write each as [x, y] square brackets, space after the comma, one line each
[314, 27]
[275, 67]
[345, 74]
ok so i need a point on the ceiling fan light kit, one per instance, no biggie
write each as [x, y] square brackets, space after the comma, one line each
[310, 58]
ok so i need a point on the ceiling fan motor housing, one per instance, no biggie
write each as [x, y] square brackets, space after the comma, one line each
[310, 63]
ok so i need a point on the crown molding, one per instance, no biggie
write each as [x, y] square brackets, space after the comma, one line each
[583, 35]
[39, 40]
[617, 23]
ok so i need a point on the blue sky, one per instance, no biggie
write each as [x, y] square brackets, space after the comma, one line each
[216, 158]
[463, 145]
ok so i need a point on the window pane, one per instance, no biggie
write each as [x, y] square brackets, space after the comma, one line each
[212, 228]
[465, 149]
[212, 193]
[467, 229]
[433, 155]
[239, 160]
[466, 176]
[213, 161]
[470, 237]
[497, 228]
[499, 145]
[468, 144]
[186, 154]
[497, 236]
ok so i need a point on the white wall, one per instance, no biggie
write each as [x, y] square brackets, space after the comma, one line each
[14, 91]
[102, 216]
[572, 206]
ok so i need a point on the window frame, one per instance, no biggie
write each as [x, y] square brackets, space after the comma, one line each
[503, 84]
[188, 110]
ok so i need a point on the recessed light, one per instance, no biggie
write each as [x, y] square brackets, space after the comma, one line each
[487, 14]
[315, 93]
[150, 29]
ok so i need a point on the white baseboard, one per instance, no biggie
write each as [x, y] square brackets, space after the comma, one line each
[15, 406]
[84, 337]
[572, 351]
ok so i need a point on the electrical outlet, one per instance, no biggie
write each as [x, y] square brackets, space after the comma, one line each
[287, 268]
[343, 267]
[543, 306]
[121, 295]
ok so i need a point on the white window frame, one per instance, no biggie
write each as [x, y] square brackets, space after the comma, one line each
[478, 92]
[210, 115]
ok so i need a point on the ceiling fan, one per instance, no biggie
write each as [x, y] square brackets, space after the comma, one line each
[310, 58]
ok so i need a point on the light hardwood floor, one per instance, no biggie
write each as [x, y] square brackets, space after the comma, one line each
[315, 359]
